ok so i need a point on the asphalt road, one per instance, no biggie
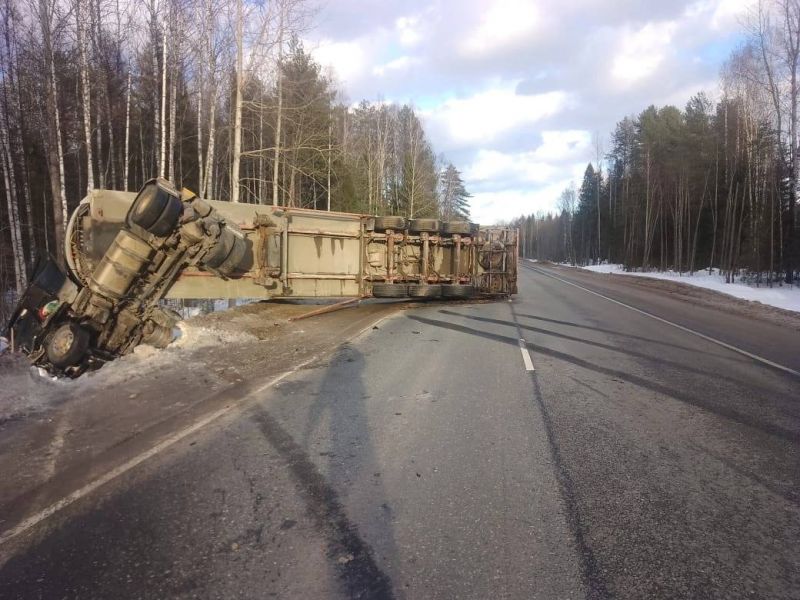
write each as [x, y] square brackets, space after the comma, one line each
[424, 460]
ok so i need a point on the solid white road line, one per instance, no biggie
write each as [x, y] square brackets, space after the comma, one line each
[526, 356]
[708, 338]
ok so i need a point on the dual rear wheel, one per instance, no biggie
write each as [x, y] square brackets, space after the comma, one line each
[415, 226]
[412, 290]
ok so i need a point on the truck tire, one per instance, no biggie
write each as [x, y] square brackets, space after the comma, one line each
[156, 211]
[458, 291]
[424, 291]
[393, 223]
[390, 290]
[168, 219]
[228, 252]
[457, 227]
[423, 225]
[68, 345]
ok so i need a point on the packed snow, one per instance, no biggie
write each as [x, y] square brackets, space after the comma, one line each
[29, 390]
[188, 339]
[780, 296]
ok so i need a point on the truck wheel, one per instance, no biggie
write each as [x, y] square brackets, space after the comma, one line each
[423, 225]
[390, 290]
[156, 211]
[457, 227]
[458, 291]
[168, 219]
[424, 291]
[68, 345]
[393, 223]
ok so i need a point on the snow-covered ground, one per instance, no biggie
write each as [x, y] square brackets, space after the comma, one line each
[146, 359]
[785, 297]
[27, 389]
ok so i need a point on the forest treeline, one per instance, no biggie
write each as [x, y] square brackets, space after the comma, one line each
[219, 96]
[712, 185]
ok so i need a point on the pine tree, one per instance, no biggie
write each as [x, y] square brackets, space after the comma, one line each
[454, 198]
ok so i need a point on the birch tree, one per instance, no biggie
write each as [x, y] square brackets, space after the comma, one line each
[81, 18]
[45, 13]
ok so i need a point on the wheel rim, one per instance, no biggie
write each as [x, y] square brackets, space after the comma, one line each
[63, 341]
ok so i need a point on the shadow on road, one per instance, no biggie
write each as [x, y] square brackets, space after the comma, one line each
[612, 332]
[340, 402]
[727, 412]
[563, 336]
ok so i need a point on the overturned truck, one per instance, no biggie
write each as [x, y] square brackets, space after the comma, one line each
[126, 252]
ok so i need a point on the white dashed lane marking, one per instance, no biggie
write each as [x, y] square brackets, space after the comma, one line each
[526, 356]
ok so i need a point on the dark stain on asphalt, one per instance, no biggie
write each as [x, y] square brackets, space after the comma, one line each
[350, 555]
[596, 585]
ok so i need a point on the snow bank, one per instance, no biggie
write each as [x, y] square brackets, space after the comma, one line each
[144, 358]
[785, 297]
[26, 390]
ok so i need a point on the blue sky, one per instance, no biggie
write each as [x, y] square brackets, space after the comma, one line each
[515, 92]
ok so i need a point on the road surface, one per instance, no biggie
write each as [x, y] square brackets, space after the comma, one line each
[563, 445]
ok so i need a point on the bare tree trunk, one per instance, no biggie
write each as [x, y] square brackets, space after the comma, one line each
[647, 211]
[127, 133]
[172, 117]
[154, 44]
[12, 93]
[175, 36]
[162, 133]
[86, 96]
[200, 136]
[237, 109]
[330, 142]
[13, 209]
[109, 168]
[261, 186]
[791, 41]
[208, 175]
[55, 153]
[714, 212]
[279, 115]
[142, 153]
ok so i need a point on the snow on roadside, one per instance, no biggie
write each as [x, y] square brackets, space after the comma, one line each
[190, 338]
[25, 391]
[785, 297]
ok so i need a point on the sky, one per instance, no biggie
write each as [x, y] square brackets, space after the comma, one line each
[519, 94]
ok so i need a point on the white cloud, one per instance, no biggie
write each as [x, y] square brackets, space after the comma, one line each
[347, 59]
[585, 63]
[560, 145]
[642, 51]
[409, 30]
[491, 165]
[727, 14]
[556, 156]
[402, 63]
[506, 185]
[502, 23]
[718, 16]
[484, 116]
[491, 207]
